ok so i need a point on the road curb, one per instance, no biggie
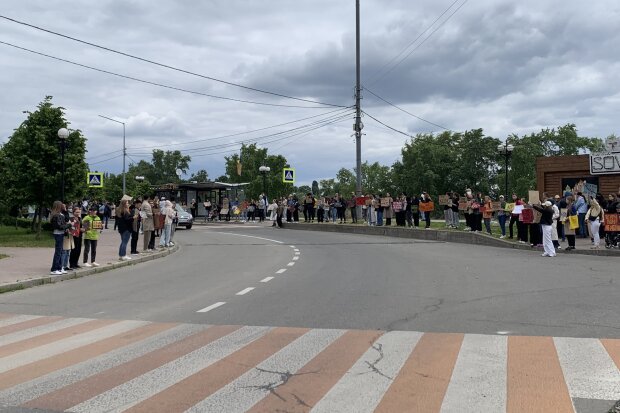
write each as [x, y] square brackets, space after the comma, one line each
[460, 237]
[85, 272]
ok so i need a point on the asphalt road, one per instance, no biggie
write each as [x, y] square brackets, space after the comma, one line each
[345, 281]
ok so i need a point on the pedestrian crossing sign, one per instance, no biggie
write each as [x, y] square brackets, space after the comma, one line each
[95, 179]
[288, 175]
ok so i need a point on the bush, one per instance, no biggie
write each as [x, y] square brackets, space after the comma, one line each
[22, 223]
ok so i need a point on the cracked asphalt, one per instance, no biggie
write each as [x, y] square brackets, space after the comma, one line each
[347, 281]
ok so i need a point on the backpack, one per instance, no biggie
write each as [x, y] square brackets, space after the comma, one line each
[102, 209]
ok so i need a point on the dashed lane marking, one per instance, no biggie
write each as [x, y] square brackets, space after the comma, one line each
[267, 279]
[245, 291]
[212, 307]
[281, 271]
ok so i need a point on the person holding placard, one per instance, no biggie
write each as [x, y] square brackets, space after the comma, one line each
[571, 215]
[487, 214]
[426, 206]
[546, 222]
[455, 210]
[501, 216]
[446, 201]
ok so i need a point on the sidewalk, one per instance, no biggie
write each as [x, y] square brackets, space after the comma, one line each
[27, 267]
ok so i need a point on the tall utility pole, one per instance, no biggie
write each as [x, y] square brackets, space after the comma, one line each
[358, 111]
[124, 149]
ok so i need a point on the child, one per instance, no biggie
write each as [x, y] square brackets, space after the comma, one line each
[91, 226]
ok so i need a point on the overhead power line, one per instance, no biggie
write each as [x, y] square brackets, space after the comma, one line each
[387, 126]
[386, 64]
[422, 42]
[165, 65]
[240, 133]
[155, 83]
[403, 110]
[105, 160]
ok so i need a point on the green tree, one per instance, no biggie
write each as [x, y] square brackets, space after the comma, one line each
[251, 158]
[200, 176]
[31, 171]
[165, 165]
[315, 188]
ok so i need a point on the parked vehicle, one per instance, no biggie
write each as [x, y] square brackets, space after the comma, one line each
[185, 219]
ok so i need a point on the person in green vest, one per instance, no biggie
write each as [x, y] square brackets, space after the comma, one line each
[92, 226]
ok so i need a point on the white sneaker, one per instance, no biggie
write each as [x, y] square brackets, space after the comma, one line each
[171, 244]
[86, 265]
[544, 254]
[126, 258]
[95, 264]
[55, 272]
[502, 237]
[63, 271]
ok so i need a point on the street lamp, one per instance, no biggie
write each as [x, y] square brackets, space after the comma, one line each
[124, 149]
[63, 134]
[506, 150]
[264, 170]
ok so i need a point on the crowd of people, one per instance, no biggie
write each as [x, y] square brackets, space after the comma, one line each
[76, 229]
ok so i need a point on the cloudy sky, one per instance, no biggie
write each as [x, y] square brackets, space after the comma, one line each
[505, 66]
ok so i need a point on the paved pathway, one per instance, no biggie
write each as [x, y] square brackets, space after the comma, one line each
[98, 365]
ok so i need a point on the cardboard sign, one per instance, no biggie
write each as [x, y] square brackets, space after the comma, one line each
[462, 199]
[368, 201]
[427, 206]
[509, 207]
[533, 197]
[443, 199]
[397, 206]
[518, 209]
[612, 222]
[360, 200]
[385, 202]
[496, 206]
[527, 214]
[462, 206]
[563, 214]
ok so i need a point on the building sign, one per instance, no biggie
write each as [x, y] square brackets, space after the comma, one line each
[605, 163]
[95, 179]
[288, 175]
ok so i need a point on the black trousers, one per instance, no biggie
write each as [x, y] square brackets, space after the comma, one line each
[535, 234]
[90, 245]
[513, 219]
[354, 214]
[571, 240]
[74, 256]
[289, 215]
[522, 231]
[134, 241]
[152, 241]
[416, 219]
[319, 214]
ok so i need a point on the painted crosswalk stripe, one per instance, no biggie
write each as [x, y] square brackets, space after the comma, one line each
[290, 264]
[281, 271]
[297, 253]
[295, 258]
[250, 388]
[39, 353]
[40, 330]
[267, 279]
[16, 320]
[589, 371]
[211, 307]
[197, 387]
[479, 377]
[134, 391]
[71, 367]
[423, 380]
[245, 291]
[315, 379]
[363, 386]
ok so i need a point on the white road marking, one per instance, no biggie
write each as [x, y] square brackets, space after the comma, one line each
[479, 376]
[18, 319]
[292, 246]
[364, 385]
[280, 271]
[589, 371]
[249, 236]
[212, 307]
[40, 330]
[297, 253]
[295, 258]
[245, 291]
[267, 279]
[290, 264]
[243, 393]
[296, 250]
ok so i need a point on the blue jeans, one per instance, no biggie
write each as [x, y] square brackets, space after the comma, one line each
[502, 223]
[57, 260]
[379, 217]
[164, 239]
[122, 250]
[65, 258]
[582, 224]
[334, 214]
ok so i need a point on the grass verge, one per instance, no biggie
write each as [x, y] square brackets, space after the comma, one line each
[22, 237]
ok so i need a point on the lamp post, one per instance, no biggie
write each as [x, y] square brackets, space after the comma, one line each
[264, 170]
[63, 134]
[506, 150]
[124, 148]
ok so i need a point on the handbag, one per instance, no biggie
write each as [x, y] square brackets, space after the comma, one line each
[573, 222]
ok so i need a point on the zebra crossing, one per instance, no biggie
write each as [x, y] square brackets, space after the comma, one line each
[56, 364]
